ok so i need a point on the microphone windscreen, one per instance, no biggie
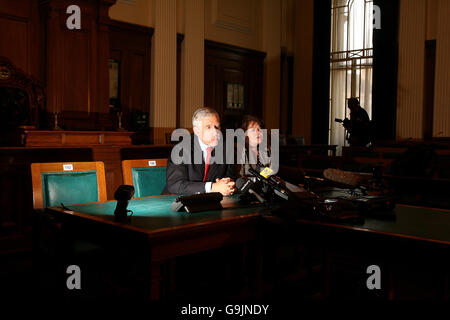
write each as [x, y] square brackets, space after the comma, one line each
[342, 177]
[124, 192]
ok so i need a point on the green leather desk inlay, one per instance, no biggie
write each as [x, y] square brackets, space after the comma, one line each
[154, 213]
[410, 222]
[149, 181]
[69, 187]
[415, 222]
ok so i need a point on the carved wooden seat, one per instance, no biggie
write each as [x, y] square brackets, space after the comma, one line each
[21, 98]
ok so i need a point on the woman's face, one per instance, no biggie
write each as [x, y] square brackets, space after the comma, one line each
[254, 133]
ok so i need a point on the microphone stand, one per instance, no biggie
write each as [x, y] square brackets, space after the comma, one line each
[258, 196]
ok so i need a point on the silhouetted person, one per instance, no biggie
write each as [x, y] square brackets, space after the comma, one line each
[359, 125]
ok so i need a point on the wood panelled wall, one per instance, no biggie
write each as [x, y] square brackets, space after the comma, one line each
[72, 65]
[77, 64]
[131, 46]
[20, 35]
[225, 63]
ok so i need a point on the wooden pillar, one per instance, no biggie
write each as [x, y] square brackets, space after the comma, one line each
[411, 57]
[192, 62]
[441, 122]
[303, 61]
[164, 75]
[272, 46]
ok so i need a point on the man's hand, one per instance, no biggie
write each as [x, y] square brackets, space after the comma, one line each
[225, 186]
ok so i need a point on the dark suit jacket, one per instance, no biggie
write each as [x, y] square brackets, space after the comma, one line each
[187, 179]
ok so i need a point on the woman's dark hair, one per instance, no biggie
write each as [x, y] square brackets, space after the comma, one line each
[248, 119]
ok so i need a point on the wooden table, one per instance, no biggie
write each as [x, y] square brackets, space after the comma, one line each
[416, 235]
[158, 234]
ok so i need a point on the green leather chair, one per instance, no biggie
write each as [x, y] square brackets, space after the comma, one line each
[148, 176]
[67, 183]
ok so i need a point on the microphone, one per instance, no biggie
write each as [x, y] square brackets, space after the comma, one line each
[123, 194]
[245, 185]
[278, 189]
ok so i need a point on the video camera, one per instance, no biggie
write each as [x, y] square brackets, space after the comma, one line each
[345, 122]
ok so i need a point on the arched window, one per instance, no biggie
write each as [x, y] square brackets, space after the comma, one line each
[351, 61]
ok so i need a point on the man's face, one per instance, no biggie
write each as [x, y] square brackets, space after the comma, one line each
[209, 130]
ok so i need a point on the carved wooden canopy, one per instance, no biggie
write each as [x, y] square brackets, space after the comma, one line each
[22, 98]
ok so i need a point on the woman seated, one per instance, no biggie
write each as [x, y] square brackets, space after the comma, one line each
[254, 154]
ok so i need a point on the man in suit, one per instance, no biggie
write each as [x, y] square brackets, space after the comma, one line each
[188, 178]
